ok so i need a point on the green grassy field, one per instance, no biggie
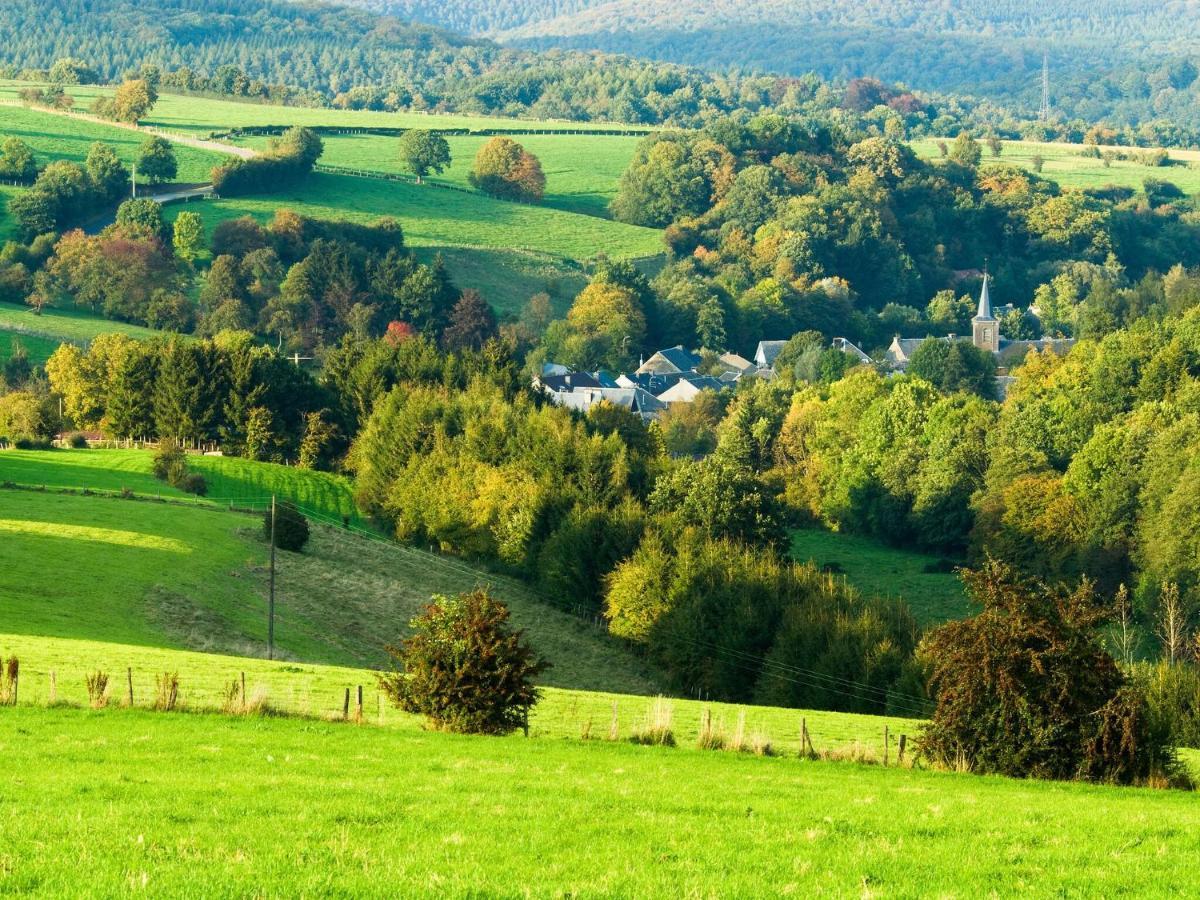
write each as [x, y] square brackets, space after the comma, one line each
[41, 334]
[148, 574]
[205, 115]
[433, 217]
[1063, 164]
[508, 278]
[200, 805]
[231, 480]
[582, 171]
[883, 571]
[37, 348]
[55, 138]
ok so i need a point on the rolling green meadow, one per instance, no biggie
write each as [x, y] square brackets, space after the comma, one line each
[876, 569]
[215, 806]
[298, 802]
[206, 115]
[41, 334]
[582, 171]
[54, 138]
[1064, 165]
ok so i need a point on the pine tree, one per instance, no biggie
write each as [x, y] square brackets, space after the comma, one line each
[472, 323]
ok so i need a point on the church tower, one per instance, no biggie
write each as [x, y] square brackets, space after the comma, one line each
[985, 327]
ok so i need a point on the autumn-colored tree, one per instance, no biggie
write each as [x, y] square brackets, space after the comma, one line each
[132, 101]
[505, 169]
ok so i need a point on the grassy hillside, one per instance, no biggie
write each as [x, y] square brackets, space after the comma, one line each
[161, 575]
[56, 326]
[56, 138]
[508, 278]
[231, 480]
[433, 217]
[582, 170]
[37, 348]
[206, 115]
[221, 806]
[1063, 164]
[8, 225]
[884, 571]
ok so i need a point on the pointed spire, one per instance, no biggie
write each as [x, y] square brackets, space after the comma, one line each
[985, 302]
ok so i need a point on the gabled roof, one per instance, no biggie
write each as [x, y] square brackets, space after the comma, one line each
[633, 399]
[767, 351]
[555, 369]
[735, 362]
[565, 383]
[672, 360]
[1013, 353]
[605, 378]
[654, 382]
[850, 349]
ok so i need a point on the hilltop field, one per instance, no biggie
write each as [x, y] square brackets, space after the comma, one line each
[507, 251]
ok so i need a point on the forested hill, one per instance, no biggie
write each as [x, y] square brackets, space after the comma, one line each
[1123, 60]
[320, 54]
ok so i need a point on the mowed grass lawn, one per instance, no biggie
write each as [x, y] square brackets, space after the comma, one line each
[117, 801]
[205, 114]
[1063, 164]
[431, 216]
[876, 569]
[582, 171]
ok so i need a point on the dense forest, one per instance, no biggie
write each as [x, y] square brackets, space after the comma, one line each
[1128, 61]
[322, 55]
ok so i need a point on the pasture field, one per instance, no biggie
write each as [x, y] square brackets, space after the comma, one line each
[54, 138]
[1063, 164]
[231, 480]
[508, 278]
[64, 326]
[180, 804]
[210, 114]
[874, 568]
[165, 575]
[431, 217]
[582, 171]
[37, 348]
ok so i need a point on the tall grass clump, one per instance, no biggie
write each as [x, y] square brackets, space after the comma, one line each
[710, 736]
[166, 691]
[97, 689]
[656, 730]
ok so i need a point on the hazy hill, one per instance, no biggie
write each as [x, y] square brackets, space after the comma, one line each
[1124, 59]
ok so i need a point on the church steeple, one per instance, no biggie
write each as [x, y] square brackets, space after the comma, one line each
[985, 303]
[985, 328]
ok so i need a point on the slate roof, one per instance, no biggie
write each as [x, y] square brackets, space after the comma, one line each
[558, 384]
[672, 360]
[767, 351]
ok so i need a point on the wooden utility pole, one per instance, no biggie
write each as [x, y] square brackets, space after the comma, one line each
[271, 595]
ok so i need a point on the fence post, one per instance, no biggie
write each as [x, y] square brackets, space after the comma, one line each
[900, 755]
[358, 707]
[346, 705]
[129, 682]
[885, 746]
[244, 691]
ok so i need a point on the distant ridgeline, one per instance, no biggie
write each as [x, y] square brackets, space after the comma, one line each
[313, 55]
[1125, 61]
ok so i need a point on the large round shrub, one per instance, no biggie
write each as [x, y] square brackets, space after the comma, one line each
[291, 528]
[464, 668]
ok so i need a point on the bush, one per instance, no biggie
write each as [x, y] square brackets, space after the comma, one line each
[78, 441]
[464, 668]
[1025, 689]
[192, 483]
[291, 528]
[169, 459]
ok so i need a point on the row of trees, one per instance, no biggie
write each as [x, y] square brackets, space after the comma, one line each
[64, 192]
